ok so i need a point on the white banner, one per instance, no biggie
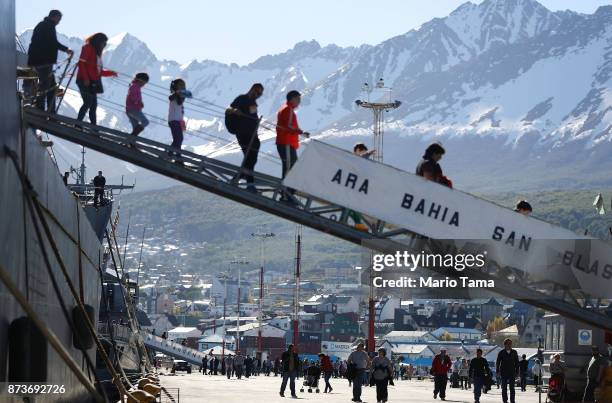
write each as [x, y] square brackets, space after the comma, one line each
[337, 348]
[438, 212]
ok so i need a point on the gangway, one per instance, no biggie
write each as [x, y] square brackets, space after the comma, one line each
[173, 349]
[218, 177]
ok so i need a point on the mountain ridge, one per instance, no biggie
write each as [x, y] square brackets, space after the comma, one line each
[510, 84]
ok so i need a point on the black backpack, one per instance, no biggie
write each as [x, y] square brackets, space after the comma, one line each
[232, 122]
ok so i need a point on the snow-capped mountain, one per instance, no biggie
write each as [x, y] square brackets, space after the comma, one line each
[519, 95]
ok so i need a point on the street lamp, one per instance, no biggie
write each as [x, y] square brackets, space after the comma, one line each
[238, 262]
[262, 236]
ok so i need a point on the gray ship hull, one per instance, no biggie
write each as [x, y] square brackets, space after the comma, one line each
[20, 252]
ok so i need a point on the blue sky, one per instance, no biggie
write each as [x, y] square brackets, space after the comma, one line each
[240, 31]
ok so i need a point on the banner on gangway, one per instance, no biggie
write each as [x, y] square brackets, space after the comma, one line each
[438, 212]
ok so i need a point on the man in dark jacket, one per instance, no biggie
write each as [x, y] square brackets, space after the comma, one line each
[42, 55]
[99, 182]
[523, 368]
[507, 367]
[479, 372]
[290, 363]
[242, 114]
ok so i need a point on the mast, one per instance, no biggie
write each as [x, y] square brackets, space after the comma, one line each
[82, 168]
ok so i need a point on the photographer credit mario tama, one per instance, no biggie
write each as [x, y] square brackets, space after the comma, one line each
[404, 260]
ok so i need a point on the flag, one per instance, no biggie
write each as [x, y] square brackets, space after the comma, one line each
[599, 204]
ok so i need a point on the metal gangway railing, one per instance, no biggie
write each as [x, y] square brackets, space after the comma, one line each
[219, 177]
[173, 349]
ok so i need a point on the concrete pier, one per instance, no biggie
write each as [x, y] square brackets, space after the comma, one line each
[196, 387]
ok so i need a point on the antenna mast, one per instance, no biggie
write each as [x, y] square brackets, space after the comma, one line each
[378, 109]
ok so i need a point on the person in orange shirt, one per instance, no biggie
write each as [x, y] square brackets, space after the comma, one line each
[288, 131]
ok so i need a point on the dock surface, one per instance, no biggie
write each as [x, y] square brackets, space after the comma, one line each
[196, 387]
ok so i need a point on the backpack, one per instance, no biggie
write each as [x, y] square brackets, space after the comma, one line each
[232, 123]
[351, 371]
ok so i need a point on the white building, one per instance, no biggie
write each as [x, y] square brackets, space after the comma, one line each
[412, 351]
[418, 336]
[458, 333]
[216, 340]
[182, 333]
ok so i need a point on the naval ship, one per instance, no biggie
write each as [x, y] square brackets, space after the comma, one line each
[68, 328]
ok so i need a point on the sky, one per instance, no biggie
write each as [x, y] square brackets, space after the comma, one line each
[240, 31]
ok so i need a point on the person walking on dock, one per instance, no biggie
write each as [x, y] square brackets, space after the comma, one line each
[595, 373]
[242, 120]
[480, 372]
[382, 375]
[290, 362]
[90, 73]
[328, 370]
[99, 183]
[360, 360]
[440, 366]
[42, 55]
[134, 104]
[507, 366]
[239, 361]
[523, 368]
[229, 366]
[204, 364]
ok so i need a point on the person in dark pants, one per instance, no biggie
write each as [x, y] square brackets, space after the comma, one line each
[523, 368]
[328, 370]
[216, 366]
[507, 366]
[360, 360]
[595, 372]
[204, 365]
[243, 112]
[42, 55]
[440, 366]
[90, 73]
[289, 362]
[176, 116]
[382, 375]
[288, 133]
[99, 182]
[479, 371]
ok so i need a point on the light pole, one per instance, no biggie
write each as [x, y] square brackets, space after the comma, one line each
[238, 262]
[262, 236]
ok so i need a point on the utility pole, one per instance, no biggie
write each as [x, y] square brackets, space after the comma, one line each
[379, 107]
[296, 300]
[238, 262]
[224, 316]
[262, 236]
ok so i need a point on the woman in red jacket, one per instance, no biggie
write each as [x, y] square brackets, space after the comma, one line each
[328, 369]
[90, 73]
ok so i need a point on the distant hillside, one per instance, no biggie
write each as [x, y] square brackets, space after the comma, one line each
[188, 228]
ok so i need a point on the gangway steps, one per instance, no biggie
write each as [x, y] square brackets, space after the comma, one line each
[173, 349]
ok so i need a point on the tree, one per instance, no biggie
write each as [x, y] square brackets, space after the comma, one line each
[446, 336]
[496, 324]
